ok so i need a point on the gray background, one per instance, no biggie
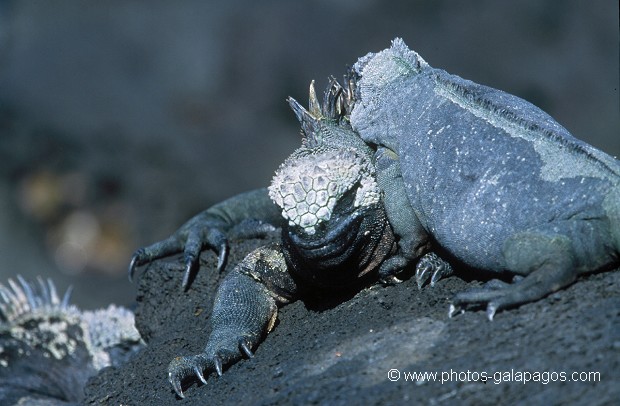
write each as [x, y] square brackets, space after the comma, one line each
[121, 119]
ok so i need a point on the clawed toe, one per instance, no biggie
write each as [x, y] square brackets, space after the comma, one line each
[217, 362]
[430, 266]
[222, 256]
[453, 310]
[190, 240]
[245, 347]
[389, 280]
[136, 261]
[492, 308]
[182, 368]
[390, 268]
[198, 372]
[176, 384]
[478, 297]
[187, 274]
[421, 274]
[494, 295]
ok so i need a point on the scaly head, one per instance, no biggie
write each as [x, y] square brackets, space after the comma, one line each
[328, 192]
[308, 187]
[332, 166]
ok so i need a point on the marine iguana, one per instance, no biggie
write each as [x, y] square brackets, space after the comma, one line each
[400, 163]
[49, 348]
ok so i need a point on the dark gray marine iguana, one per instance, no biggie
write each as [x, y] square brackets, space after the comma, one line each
[400, 163]
[49, 348]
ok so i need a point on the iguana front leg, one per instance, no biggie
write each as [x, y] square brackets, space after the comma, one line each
[246, 215]
[413, 240]
[244, 312]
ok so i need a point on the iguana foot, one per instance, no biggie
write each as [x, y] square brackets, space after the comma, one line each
[201, 231]
[488, 294]
[497, 295]
[183, 368]
[542, 261]
[392, 267]
[430, 265]
[191, 247]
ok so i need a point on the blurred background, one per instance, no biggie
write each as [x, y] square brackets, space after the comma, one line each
[121, 119]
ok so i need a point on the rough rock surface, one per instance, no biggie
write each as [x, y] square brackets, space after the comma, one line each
[331, 350]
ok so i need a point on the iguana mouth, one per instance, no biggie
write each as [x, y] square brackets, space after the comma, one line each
[332, 242]
[343, 250]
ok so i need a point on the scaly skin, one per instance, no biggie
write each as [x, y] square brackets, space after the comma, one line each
[49, 348]
[403, 162]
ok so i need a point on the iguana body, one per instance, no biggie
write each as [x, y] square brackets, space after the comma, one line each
[403, 160]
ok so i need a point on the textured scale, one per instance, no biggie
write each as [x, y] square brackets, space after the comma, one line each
[307, 188]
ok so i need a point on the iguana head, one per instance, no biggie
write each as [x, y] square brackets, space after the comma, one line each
[327, 189]
[307, 188]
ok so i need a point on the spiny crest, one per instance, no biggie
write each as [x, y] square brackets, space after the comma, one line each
[337, 105]
[38, 321]
[23, 298]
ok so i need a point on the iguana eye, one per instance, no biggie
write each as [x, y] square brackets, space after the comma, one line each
[346, 203]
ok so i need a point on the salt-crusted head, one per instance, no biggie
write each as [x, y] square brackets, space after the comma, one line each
[307, 188]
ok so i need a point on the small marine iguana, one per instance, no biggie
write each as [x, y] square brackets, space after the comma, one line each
[400, 163]
[49, 348]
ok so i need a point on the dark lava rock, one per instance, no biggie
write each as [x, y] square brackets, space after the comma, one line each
[334, 350]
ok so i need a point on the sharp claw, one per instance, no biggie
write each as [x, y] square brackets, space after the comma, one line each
[189, 264]
[491, 309]
[222, 256]
[132, 266]
[246, 349]
[198, 372]
[436, 277]
[217, 361]
[453, 310]
[420, 276]
[390, 280]
[176, 385]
